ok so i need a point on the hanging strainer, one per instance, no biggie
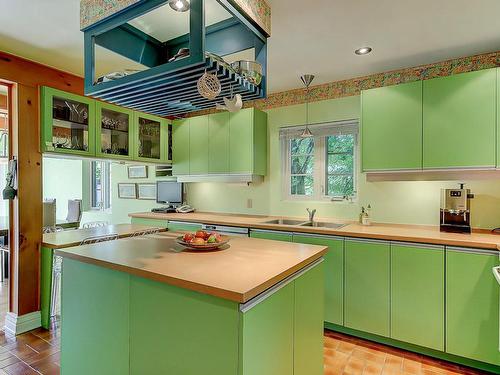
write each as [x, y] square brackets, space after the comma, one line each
[209, 86]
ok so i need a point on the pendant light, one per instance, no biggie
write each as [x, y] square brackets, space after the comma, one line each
[306, 80]
[179, 5]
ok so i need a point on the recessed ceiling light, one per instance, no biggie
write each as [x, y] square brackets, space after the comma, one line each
[179, 5]
[363, 51]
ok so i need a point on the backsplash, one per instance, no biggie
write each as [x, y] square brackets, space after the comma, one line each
[409, 202]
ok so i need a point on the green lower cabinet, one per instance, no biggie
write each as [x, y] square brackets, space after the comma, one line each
[334, 274]
[177, 331]
[472, 305]
[308, 323]
[271, 235]
[367, 286]
[417, 294]
[146, 221]
[94, 320]
[267, 335]
[175, 226]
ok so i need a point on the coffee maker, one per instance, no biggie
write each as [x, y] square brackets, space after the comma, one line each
[455, 210]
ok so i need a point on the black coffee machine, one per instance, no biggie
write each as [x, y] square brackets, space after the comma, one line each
[455, 210]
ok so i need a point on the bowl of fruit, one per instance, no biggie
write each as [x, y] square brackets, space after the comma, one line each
[202, 240]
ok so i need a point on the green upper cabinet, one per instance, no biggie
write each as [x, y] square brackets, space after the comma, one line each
[472, 305]
[180, 147]
[150, 138]
[114, 131]
[198, 145]
[222, 143]
[68, 123]
[334, 274]
[459, 121]
[248, 142]
[218, 143]
[417, 294]
[391, 127]
[367, 286]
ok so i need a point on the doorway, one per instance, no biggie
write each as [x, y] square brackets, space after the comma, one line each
[4, 204]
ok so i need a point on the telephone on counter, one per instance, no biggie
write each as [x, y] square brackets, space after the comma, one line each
[184, 209]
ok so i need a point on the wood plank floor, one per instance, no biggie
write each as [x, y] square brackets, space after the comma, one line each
[37, 352]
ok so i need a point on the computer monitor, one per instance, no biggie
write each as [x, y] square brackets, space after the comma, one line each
[168, 192]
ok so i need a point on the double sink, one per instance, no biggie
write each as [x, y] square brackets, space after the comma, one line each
[301, 223]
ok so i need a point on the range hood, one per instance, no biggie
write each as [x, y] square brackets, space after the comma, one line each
[227, 178]
[149, 35]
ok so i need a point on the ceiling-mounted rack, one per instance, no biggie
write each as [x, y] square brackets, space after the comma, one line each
[169, 88]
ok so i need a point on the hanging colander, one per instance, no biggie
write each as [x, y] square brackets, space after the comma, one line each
[209, 86]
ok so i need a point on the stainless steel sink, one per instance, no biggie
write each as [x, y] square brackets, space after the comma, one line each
[301, 223]
[319, 224]
[285, 222]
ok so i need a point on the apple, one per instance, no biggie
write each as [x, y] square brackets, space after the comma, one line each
[198, 241]
[201, 234]
[188, 237]
[212, 239]
[218, 237]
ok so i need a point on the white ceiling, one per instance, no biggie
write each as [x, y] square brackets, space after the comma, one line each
[316, 36]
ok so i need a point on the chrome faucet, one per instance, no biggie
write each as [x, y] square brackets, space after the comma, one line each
[311, 214]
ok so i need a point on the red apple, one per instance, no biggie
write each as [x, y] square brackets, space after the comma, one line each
[201, 234]
[198, 241]
[188, 237]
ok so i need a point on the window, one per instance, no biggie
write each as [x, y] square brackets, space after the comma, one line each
[322, 166]
[100, 185]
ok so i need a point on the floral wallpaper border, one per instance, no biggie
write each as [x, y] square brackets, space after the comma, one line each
[257, 10]
[352, 87]
[92, 11]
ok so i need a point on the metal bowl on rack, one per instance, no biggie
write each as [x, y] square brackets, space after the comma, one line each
[250, 70]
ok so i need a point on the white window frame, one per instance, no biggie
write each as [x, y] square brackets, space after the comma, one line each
[320, 132]
[105, 187]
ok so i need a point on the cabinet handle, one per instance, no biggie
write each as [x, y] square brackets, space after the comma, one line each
[244, 307]
[325, 236]
[269, 231]
[418, 244]
[367, 240]
[472, 250]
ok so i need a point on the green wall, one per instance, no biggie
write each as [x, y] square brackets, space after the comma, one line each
[411, 202]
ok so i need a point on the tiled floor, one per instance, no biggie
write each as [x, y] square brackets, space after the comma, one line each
[37, 352]
[349, 355]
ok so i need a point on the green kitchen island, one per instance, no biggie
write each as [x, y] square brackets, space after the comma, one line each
[147, 306]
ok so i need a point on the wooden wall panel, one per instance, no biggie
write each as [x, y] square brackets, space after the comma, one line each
[25, 240]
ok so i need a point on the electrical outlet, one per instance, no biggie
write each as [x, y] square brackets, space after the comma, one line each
[249, 203]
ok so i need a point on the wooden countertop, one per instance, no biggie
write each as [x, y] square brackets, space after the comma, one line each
[70, 238]
[394, 232]
[243, 269]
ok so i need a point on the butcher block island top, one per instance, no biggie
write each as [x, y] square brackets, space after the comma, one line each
[390, 232]
[238, 272]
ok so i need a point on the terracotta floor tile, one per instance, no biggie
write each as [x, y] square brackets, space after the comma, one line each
[20, 368]
[354, 366]
[371, 356]
[373, 368]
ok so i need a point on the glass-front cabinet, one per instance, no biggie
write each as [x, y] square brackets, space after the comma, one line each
[114, 134]
[68, 123]
[151, 138]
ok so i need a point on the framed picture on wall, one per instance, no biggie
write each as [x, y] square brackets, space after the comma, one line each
[146, 191]
[127, 191]
[137, 171]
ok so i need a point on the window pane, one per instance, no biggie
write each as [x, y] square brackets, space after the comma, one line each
[302, 164]
[340, 143]
[302, 146]
[302, 185]
[340, 163]
[340, 185]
